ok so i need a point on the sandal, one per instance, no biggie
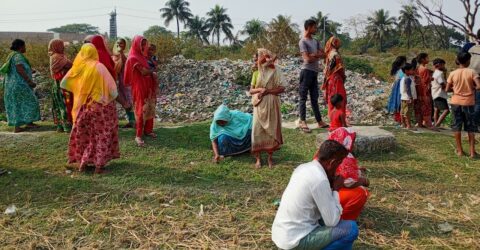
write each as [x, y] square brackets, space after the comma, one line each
[305, 129]
[19, 130]
[139, 142]
[153, 135]
[32, 126]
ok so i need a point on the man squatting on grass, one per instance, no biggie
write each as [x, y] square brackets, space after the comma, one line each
[310, 209]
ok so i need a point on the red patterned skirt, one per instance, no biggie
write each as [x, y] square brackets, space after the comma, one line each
[94, 137]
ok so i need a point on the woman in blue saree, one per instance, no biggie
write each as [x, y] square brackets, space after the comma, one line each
[230, 132]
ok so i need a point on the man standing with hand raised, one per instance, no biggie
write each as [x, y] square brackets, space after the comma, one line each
[311, 53]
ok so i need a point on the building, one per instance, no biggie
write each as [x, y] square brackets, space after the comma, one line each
[40, 37]
[113, 25]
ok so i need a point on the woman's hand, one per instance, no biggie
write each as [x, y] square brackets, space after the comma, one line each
[217, 159]
[338, 183]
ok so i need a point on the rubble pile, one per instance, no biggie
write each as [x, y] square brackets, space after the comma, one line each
[191, 90]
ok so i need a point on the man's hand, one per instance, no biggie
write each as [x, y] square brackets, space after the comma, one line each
[338, 183]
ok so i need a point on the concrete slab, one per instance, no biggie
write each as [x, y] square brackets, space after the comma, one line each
[370, 139]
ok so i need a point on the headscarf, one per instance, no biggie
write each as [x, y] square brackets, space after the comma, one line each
[238, 123]
[118, 56]
[331, 52]
[344, 136]
[89, 80]
[58, 60]
[103, 54]
[266, 69]
[136, 56]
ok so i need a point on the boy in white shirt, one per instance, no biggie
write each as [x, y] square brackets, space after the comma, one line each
[439, 95]
[408, 95]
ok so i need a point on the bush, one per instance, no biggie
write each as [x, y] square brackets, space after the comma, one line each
[358, 65]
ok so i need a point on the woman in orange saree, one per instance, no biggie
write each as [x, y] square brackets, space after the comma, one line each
[334, 74]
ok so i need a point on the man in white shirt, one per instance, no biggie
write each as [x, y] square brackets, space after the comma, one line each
[309, 212]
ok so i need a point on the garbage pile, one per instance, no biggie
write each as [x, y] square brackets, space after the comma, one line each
[192, 90]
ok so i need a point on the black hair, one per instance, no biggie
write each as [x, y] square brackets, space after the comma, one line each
[309, 23]
[408, 66]
[414, 63]
[331, 149]
[438, 61]
[463, 58]
[478, 34]
[336, 99]
[153, 46]
[421, 57]
[17, 44]
[397, 64]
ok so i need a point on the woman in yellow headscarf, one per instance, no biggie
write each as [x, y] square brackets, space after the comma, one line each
[267, 119]
[94, 137]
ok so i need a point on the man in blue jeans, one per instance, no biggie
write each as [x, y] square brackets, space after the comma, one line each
[310, 210]
[311, 54]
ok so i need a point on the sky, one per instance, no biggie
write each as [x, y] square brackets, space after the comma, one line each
[135, 16]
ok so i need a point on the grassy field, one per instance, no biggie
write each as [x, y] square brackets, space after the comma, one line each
[154, 196]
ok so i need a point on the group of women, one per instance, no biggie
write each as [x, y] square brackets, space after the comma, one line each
[83, 95]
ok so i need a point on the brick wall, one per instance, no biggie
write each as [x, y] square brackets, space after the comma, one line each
[39, 37]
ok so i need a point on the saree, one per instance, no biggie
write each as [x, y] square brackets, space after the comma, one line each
[424, 104]
[125, 92]
[267, 119]
[94, 137]
[236, 136]
[143, 87]
[104, 54]
[21, 104]
[62, 101]
[334, 74]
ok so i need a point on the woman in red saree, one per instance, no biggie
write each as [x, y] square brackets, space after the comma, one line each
[334, 74]
[424, 92]
[104, 55]
[141, 78]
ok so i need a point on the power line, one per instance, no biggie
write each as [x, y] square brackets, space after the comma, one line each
[53, 12]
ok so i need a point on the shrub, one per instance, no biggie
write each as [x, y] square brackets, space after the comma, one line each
[358, 65]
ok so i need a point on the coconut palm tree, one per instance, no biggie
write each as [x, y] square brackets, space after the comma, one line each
[380, 24]
[409, 21]
[198, 28]
[253, 29]
[282, 35]
[177, 9]
[219, 22]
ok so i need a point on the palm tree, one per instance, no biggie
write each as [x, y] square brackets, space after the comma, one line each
[409, 20]
[253, 29]
[282, 35]
[380, 24]
[177, 9]
[198, 28]
[219, 22]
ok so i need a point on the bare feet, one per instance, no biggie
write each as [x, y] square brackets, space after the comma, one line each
[270, 161]
[460, 153]
[19, 130]
[153, 135]
[32, 126]
[101, 171]
[304, 127]
[474, 155]
[140, 142]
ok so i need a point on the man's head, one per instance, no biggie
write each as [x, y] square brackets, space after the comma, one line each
[422, 58]
[463, 59]
[408, 69]
[439, 64]
[310, 26]
[330, 155]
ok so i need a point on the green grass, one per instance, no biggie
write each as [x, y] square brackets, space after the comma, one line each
[153, 196]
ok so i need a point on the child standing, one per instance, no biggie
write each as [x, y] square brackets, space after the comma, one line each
[439, 95]
[424, 102]
[408, 95]
[337, 116]
[463, 82]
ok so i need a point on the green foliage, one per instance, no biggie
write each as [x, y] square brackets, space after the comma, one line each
[81, 28]
[198, 28]
[178, 10]
[156, 30]
[219, 22]
[358, 65]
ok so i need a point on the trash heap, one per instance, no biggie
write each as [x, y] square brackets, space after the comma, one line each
[192, 90]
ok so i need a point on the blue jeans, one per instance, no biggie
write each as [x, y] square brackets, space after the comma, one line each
[340, 237]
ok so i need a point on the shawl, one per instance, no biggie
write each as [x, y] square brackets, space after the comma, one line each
[348, 169]
[136, 56]
[333, 61]
[104, 55]
[238, 123]
[89, 80]
[344, 136]
[58, 60]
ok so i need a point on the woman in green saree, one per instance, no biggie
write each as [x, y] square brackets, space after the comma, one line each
[21, 103]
